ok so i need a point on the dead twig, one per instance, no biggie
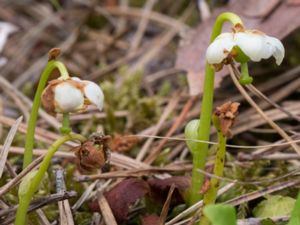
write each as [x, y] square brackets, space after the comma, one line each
[36, 204]
[7, 143]
[105, 209]
[65, 213]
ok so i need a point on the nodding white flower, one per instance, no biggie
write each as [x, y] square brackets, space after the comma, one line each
[71, 95]
[253, 44]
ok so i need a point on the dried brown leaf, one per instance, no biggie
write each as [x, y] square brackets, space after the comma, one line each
[160, 188]
[122, 143]
[124, 194]
[151, 220]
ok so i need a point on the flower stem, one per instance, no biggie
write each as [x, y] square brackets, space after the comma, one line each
[245, 77]
[211, 195]
[51, 65]
[65, 129]
[206, 111]
[24, 200]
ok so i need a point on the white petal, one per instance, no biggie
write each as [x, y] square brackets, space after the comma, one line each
[76, 79]
[68, 98]
[218, 50]
[94, 94]
[277, 48]
[253, 45]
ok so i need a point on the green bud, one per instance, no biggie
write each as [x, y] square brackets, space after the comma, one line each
[191, 133]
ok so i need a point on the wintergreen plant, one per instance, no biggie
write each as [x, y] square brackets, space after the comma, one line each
[63, 95]
[239, 46]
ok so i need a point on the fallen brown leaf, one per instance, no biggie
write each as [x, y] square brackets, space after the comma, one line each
[124, 194]
[122, 143]
[160, 188]
[150, 220]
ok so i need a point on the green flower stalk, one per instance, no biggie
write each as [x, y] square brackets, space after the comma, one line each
[223, 119]
[32, 181]
[63, 95]
[202, 130]
[29, 140]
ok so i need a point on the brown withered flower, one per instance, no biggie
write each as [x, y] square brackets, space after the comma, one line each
[93, 154]
[226, 115]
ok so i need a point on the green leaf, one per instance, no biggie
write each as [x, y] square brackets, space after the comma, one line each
[274, 206]
[267, 221]
[295, 216]
[220, 214]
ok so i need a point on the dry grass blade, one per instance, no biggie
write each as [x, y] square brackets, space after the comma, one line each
[106, 212]
[36, 204]
[168, 109]
[154, 16]
[155, 152]
[84, 196]
[257, 221]
[277, 95]
[164, 211]
[259, 193]
[117, 159]
[254, 105]
[10, 89]
[4, 189]
[135, 172]
[65, 213]
[4, 151]
[143, 24]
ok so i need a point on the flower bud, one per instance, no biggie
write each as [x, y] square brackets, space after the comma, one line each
[191, 134]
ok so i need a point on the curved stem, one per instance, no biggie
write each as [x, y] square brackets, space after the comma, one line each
[51, 65]
[206, 110]
[245, 77]
[25, 199]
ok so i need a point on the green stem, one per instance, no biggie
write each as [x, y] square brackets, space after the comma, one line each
[65, 129]
[25, 199]
[245, 77]
[211, 195]
[51, 65]
[206, 110]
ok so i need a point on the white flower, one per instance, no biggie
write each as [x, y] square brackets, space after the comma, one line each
[71, 95]
[254, 44]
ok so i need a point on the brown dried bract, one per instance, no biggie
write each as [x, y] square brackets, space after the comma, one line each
[53, 53]
[123, 143]
[238, 28]
[93, 154]
[47, 98]
[226, 114]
